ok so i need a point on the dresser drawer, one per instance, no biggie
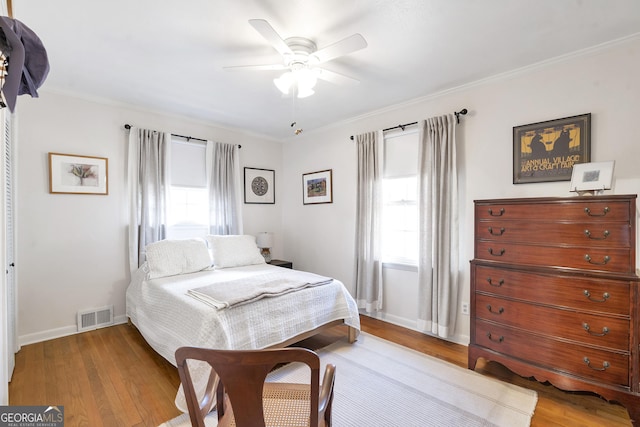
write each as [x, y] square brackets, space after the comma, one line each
[587, 258]
[599, 330]
[605, 234]
[565, 210]
[596, 364]
[581, 293]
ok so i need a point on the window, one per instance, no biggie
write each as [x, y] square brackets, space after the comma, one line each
[400, 220]
[400, 198]
[188, 205]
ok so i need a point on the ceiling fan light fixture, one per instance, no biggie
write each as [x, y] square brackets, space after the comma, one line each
[301, 57]
[304, 92]
[284, 82]
[304, 80]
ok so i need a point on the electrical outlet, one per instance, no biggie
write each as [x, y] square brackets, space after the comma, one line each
[465, 308]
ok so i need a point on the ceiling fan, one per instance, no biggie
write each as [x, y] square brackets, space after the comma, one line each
[301, 59]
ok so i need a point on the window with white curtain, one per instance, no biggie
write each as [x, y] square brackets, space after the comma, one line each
[188, 205]
[400, 196]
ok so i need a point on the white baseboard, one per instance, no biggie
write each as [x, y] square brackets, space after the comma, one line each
[411, 324]
[60, 332]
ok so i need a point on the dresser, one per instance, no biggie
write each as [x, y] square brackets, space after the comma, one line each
[555, 292]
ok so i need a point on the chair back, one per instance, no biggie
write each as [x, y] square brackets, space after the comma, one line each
[242, 375]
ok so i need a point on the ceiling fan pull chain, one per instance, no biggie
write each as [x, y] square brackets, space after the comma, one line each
[297, 131]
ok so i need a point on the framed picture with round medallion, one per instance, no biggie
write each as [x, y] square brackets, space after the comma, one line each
[259, 186]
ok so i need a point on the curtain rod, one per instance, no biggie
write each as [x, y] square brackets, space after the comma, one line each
[457, 113]
[188, 138]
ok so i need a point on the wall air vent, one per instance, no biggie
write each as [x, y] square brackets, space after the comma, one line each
[89, 320]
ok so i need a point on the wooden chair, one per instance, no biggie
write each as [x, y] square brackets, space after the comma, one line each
[246, 400]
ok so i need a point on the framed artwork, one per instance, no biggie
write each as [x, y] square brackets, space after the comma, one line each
[317, 187]
[259, 186]
[547, 151]
[592, 177]
[74, 174]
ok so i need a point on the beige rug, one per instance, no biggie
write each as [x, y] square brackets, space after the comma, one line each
[379, 383]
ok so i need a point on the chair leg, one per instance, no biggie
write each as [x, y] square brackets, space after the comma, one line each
[327, 412]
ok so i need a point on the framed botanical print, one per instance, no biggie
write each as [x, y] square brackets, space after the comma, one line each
[74, 174]
[259, 186]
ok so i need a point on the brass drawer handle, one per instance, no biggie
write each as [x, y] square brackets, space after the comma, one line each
[497, 285]
[499, 214]
[605, 234]
[604, 211]
[502, 251]
[500, 339]
[605, 364]
[500, 310]
[496, 234]
[605, 260]
[605, 296]
[587, 328]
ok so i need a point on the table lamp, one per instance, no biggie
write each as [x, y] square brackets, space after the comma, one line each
[264, 240]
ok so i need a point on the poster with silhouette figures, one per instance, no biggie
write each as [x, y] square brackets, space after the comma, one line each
[547, 151]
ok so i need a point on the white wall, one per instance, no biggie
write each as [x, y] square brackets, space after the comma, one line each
[72, 248]
[602, 82]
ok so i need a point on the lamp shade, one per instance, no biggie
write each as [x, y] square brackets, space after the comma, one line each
[303, 80]
[264, 240]
[284, 82]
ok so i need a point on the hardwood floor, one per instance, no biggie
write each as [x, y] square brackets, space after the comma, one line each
[111, 377]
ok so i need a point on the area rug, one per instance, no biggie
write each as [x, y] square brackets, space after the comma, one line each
[379, 383]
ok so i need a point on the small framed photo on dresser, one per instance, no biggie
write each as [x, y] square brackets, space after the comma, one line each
[592, 177]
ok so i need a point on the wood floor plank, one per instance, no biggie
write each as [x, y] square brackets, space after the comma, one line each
[106, 398]
[111, 377]
[141, 392]
[82, 408]
[114, 373]
[53, 370]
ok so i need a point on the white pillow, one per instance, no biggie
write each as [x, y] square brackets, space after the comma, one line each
[173, 257]
[234, 251]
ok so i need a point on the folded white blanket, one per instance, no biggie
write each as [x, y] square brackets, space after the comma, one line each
[249, 289]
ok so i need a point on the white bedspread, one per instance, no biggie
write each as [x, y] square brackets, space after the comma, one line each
[250, 289]
[168, 318]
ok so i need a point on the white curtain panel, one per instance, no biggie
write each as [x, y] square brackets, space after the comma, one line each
[368, 278]
[148, 181]
[223, 182]
[438, 267]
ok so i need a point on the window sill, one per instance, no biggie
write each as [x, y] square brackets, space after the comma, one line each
[400, 266]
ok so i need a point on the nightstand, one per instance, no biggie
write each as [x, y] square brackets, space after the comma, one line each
[281, 263]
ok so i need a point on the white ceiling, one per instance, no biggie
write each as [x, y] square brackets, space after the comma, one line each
[168, 56]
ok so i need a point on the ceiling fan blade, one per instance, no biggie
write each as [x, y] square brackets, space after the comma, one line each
[340, 48]
[337, 78]
[256, 67]
[267, 31]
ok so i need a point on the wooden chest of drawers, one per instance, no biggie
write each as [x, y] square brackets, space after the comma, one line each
[554, 292]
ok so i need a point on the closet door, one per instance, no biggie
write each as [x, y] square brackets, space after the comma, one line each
[8, 307]
[9, 236]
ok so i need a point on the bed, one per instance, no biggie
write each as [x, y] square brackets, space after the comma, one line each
[159, 302]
